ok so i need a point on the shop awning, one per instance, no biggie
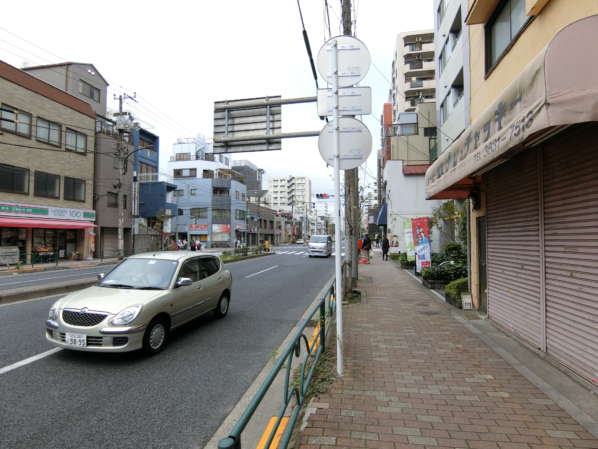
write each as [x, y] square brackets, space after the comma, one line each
[48, 224]
[381, 218]
[557, 89]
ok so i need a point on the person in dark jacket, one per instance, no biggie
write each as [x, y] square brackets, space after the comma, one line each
[367, 246]
[385, 247]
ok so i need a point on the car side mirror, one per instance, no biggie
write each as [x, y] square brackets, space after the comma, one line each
[101, 276]
[183, 282]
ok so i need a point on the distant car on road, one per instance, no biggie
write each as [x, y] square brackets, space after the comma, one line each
[140, 301]
[299, 242]
[320, 245]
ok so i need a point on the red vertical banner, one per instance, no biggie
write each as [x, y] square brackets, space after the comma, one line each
[421, 237]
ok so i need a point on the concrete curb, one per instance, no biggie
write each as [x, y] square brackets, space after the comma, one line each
[13, 272]
[24, 293]
[254, 429]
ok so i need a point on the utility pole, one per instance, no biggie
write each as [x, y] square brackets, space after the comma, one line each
[122, 155]
[351, 186]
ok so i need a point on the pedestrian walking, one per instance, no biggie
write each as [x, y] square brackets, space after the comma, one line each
[367, 246]
[377, 240]
[385, 248]
[192, 245]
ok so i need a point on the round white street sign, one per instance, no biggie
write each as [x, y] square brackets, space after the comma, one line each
[355, 143]
[353, 60]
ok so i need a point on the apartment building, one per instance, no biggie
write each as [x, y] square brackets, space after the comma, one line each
[290, 193]
[46, 170]
[409, 137]
[413, 71]
[251, 174]
[452, 70]
[527, 162]
[210, 197]
[85, 82]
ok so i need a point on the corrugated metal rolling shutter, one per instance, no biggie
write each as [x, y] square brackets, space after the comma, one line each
[514, 247]
[571, 249]
[110, 242]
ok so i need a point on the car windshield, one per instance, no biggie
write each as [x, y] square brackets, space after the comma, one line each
[318, 239]
[141, 274]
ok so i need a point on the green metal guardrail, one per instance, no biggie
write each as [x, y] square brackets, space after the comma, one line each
[325, 308]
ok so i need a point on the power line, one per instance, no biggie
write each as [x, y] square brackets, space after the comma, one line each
[327, 18]
[405, 98]
[307, 46]
[82, 76]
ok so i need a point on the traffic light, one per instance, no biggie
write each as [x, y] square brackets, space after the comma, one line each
[322, 196]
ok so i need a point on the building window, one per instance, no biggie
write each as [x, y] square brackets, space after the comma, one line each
[112, 199]
[185, 172]
[220, 214]
[208, 174]
[76, 141]
[441, 11]
[47, 184]
[444, 111]
[181, 212]
[89, 91]
[14, 179]
[125, 202]
[182, 157]
[457, 88]
[15, 121]
[503, 29]
[219, 191]
[240, 214]
[179, 192]
[199, 212]
[430, 131]
[192, 192]
[49, 132]
[74, 189]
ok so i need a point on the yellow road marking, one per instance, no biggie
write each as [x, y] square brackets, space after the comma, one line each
[277, 435]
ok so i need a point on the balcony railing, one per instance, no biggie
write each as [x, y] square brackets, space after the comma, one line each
[148, 177]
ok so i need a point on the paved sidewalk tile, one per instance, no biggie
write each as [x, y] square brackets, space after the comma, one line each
[415, 378]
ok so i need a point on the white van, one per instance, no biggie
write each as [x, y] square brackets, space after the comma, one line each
[320, 245]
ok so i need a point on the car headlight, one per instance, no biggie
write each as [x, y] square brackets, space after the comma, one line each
[127, 315]
[53, 314]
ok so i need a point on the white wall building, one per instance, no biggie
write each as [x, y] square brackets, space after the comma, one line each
[405, 199]
[452, 70]
[290, 193]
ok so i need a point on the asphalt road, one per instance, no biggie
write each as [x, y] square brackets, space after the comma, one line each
[50, 276]
[174, 400]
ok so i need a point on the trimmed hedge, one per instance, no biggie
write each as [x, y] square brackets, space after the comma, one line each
[444, 273]
[453, 290]
[405, 263]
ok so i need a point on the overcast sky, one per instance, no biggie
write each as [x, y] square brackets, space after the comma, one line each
[181, 56]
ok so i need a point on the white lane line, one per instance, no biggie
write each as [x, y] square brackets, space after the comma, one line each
[260, 272]
[29, 360]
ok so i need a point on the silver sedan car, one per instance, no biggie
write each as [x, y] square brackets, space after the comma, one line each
[140, 301]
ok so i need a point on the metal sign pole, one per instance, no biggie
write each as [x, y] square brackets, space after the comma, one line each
[337, 222]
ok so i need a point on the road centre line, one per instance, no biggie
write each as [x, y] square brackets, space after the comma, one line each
[260, 272]
[28, 360]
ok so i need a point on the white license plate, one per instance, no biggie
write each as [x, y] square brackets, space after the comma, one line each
[76, 339]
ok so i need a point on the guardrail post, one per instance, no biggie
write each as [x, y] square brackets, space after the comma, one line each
[323, 324]
[229, 443]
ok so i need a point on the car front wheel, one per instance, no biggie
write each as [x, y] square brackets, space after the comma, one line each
[223, 305]
[155, 336]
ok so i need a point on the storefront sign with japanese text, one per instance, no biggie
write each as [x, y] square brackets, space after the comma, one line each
[36, 211]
